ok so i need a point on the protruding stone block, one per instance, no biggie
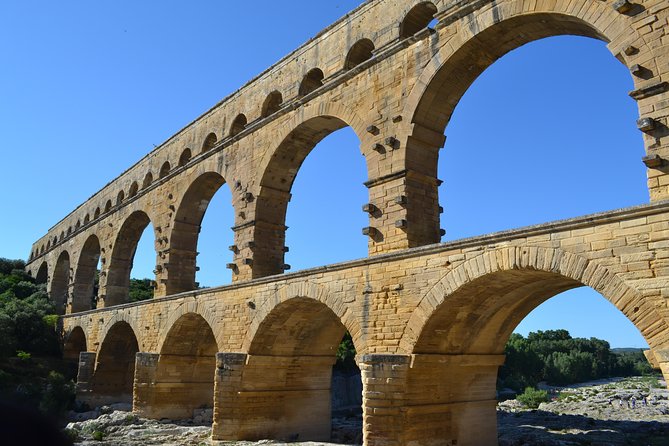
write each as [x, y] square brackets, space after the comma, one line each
[653, 161]
[646, 124]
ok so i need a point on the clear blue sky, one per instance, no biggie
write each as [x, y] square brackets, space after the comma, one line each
[88, 88]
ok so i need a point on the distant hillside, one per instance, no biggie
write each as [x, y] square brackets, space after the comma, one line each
[622, 351]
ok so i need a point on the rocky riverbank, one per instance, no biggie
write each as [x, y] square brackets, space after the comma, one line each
[633, 411]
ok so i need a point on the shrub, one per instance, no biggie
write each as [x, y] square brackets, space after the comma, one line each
[533, 397]
[58, 395]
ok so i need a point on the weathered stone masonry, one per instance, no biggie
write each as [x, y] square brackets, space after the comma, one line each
[429, 321]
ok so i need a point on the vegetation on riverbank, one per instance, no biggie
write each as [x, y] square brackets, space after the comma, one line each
[557, 358]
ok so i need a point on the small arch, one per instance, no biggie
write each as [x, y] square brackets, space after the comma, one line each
[120, 197]
[113, 378]
[78, 225]
[62, 236]
[209, 142]
[185, 157]
[48, 245]
[165, 169]
[417, 19]
[69, 230]
[272, 104]
[87, 219]
[60, 282]
[96, 214]
[359, 52]
[238, 125]
[108, 206]
[148, 179]
[75, 343]
[311, 81]
[42, 273]
[134, 188]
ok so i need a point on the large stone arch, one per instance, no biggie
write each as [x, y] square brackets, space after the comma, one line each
[483, 38]
[309, 291]
[117, 278]
[195, 307]
[186, 229]
[83, 290]
[456, 335]
[279, 168]
[60, 281]
[184, 375]
[122, 317]
[293, 339]
[113, 378]
[540, 273]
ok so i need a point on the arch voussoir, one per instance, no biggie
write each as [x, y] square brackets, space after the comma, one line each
[573, 267]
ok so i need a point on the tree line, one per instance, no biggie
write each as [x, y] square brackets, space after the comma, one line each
[555, 357]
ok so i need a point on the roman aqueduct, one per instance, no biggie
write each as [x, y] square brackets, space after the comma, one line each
[429, 321]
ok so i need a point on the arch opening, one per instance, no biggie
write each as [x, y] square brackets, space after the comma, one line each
[297, 343]
[417, 19]
[312, 81]
[469, 90]
[272, 104]
[120, 197]
[123, 257]
[85, 288]
[74, 344]
[313, 209]
[148, 179]
[198, 244]
[134, 188]
[42, 275]
[184, 383]
[108, 206]
[185, 157]
[209, 142]
[113, 378]
[165, 169]
[96, 214]
[60, 282]
[361, 51]
[461, 345]
[238, 125]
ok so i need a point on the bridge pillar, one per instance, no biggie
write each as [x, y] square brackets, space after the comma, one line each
[406, 212]
[84, 388]
[260, 240]
[384, 379]
[143, 393]
[272, 397]
[227, 387]
[452, 400]
[79, 298]
[172, 386]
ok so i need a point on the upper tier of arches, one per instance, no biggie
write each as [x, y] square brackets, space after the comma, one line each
[256, 140]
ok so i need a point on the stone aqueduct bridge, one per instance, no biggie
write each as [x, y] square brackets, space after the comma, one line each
[428, 320]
